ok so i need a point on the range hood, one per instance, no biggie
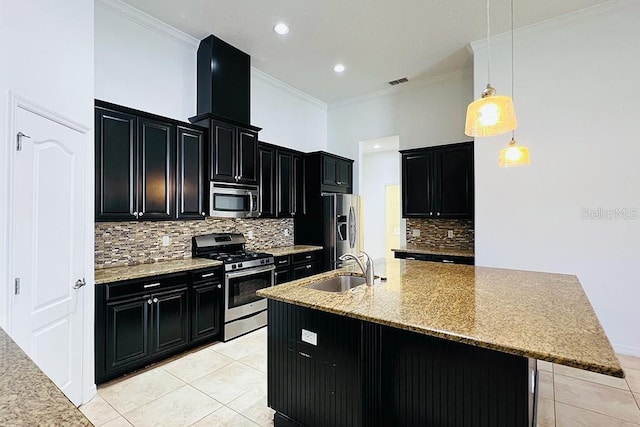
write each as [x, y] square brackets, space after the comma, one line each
[224, 74]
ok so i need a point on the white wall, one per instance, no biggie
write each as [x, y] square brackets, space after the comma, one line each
[577, 92]
[377, 171]
[145, 64]
[47, 58]
[422, 113]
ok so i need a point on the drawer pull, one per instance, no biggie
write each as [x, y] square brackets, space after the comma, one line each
[207, 275]
[152, 285]
[448, 261]
[284, 261]
[410, 257]
[308, 257]
[304, 354]
[308, 267]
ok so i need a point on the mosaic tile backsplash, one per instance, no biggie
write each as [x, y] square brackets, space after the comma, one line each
[140, 242]
[433, 233]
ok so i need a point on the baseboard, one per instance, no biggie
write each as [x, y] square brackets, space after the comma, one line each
[626, 349]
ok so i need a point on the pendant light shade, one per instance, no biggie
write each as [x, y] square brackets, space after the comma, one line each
[514, 155]
[491, 115]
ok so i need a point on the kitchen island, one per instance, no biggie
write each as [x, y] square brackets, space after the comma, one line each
[433, 345]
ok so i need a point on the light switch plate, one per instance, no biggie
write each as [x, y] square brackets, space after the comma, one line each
[166, 240]
[309, 337]
[250, 234]
[415, 232]
[286, 232]
[450, 234]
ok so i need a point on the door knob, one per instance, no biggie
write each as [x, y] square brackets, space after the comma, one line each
[79, 283]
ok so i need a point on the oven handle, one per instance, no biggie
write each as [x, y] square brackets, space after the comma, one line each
[250, 271]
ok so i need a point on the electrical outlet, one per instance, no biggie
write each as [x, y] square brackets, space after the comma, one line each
[166, 240]
[286, 232]
[415, 232]
[250, 234]
[450, 234]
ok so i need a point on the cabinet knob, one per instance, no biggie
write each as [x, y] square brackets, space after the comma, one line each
[293, 214]
[135, 214]
[438, 214]
[219, 286]
[141, 213]
[155, 300]
[308, 267]
[149, 301]
[203, 213]
[431, 213]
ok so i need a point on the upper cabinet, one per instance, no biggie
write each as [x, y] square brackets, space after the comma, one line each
[282, 182]
[233, 152]
[336, 173]
[437, 182]
[147, 167]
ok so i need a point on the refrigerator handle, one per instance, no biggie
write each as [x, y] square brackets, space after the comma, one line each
[352, 227]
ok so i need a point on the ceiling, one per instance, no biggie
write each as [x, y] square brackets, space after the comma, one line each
[376, 40]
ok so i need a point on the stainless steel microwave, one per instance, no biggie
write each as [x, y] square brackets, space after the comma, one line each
[233, 200]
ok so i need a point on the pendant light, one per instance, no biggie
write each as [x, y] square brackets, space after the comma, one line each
[514, 155]
[491, 114]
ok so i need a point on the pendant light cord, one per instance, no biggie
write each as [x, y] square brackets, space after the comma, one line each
[488, 44]
[513, 97]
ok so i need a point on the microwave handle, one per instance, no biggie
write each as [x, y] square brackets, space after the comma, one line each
[251, 207]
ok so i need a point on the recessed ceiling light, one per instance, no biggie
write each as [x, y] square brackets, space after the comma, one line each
[376, 146]
[338, 68]
[281, 28]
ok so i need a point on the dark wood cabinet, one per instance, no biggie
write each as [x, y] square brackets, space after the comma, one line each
[233, 153]
[298, 266]
[337, 173]
[147, 167]
[142, 321]
[206, 305]
[191, 188]
[437, 182]
[446, 259]
[282, 181]
[267, 180]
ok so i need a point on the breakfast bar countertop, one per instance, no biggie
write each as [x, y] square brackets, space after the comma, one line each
[543, 316]
[434, 250]
[28, 396]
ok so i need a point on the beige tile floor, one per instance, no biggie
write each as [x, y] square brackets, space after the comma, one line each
[225, 385]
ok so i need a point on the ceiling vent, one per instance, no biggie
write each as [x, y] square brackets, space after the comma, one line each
[399, 81]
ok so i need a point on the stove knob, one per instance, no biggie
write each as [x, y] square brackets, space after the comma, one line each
[261, 261]
[240, 265]
[233, 266]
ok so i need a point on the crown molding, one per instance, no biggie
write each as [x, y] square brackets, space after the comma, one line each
[456, 75]
[279, 84]
[561, 22]
[141, 18]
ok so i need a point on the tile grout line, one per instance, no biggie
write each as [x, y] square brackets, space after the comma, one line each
[595, 382]
[600, 413]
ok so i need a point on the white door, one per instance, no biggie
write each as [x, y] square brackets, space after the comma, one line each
[47, 242]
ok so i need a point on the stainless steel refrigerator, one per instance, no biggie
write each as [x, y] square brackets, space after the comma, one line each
[341, 227]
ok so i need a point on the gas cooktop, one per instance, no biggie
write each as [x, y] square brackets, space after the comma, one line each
[228, 248]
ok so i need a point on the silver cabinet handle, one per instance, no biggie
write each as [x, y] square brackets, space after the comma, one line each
[149, 301]
[203, 214]
[79, 283]
[219, 286]
[308, 267]
[207, 275]
[448, 261]
[284, 261]
[308, 257]
[135, 214]
[151, 285]
[438, 214]
[410, 257]
[155, 300]
[430, 213]
[141, 213]
[293, 214]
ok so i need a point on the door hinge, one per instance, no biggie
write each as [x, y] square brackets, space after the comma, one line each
[19, 137]
[17, 286]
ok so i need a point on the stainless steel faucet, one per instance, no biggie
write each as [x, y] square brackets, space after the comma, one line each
[366, 267]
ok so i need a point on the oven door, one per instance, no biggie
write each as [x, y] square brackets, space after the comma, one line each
[240, 291]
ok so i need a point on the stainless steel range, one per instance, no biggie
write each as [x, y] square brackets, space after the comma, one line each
[245, 272]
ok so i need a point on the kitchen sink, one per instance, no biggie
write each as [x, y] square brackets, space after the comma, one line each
[338, 284]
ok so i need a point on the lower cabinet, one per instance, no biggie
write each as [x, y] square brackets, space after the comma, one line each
[139, 322]
[446, 259]
[297, 266]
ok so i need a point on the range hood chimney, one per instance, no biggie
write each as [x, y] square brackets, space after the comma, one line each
[223, 81]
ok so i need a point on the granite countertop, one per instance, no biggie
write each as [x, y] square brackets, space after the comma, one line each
[432, 250]
[115, 274]
[538, 315]
[28, 396]
[291, 250]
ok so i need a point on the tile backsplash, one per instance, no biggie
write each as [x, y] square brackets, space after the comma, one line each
[433, 233]
[140, 242]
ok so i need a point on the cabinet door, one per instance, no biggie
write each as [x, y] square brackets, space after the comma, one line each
[329, 170]
[305, 270]
[282, 275]
[267, 181]
[299, 192]
[127, 339]
[285, 181]
[453, 175]
[156, 184]
[222, 153]
[416, 185]
[205, 310]
[247, 154]
[169, 320]
[344, 173]
[190, 175]
[116, 184]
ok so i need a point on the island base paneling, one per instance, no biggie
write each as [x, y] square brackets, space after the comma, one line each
[364, 374]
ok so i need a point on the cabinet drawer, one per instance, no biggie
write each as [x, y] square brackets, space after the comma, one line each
[144, 286]
[408, 255]
[282, 261]
[305, 270]
[449, 259]
[306, 257]
[202, 276]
